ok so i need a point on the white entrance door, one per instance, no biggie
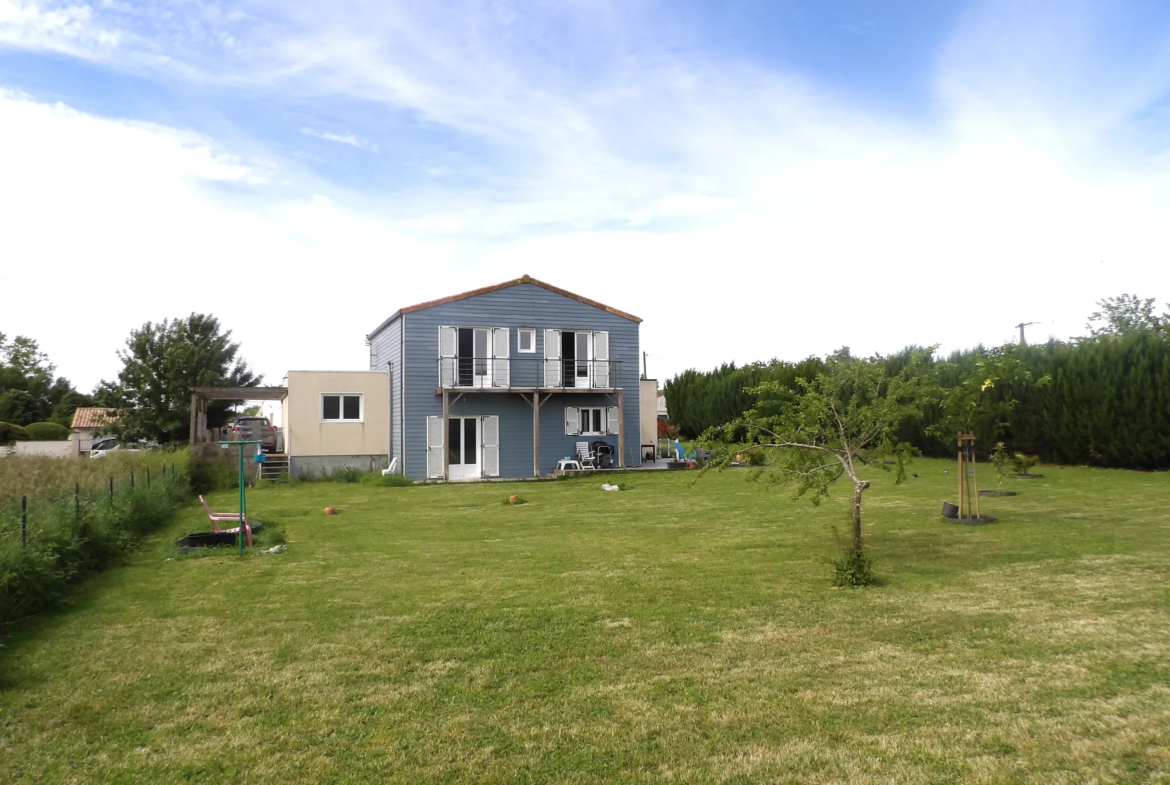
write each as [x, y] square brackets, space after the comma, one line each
[463, 448]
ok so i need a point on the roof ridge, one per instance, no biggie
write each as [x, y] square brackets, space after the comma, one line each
[516, 282]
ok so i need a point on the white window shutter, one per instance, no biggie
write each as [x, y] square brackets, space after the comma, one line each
[501, 351]
[491, 445]
[552, 358]
[572, 421]
[601, 359]
[447, 336]
[435, 447]
[612, 421]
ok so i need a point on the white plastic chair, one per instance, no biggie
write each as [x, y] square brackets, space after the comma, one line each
[588, 459]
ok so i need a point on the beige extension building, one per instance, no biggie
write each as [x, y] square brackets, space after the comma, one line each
[335, 419]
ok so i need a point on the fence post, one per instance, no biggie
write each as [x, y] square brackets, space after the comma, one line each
[148, 478]
[76, 500]
[111, 490]
[23, 521]
[131, 480]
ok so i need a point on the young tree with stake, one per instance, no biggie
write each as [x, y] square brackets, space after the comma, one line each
[842, 422]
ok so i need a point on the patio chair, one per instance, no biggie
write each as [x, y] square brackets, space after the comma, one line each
[233, 517]
[586, 456]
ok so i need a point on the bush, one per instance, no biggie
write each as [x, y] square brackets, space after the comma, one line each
[47, 432]
[10, 433]
[347, 474]
[212, 474]
[377, 480]
[1022, 464]
[853, 568]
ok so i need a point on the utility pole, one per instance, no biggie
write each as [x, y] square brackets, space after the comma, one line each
[1022, 325]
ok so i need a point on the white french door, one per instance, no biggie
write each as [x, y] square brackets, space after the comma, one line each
[463, 448]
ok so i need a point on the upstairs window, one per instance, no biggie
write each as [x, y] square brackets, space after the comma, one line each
[341, 407]
[526, 340]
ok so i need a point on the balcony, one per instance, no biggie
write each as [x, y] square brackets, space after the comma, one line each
[528, 374]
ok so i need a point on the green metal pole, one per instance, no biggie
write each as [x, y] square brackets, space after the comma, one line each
[240, 535]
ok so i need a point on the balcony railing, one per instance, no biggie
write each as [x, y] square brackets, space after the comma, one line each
[528, 373]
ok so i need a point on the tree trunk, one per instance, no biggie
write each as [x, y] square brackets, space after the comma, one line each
[858, 488]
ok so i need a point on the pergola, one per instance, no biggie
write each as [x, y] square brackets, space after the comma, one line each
[201, 395]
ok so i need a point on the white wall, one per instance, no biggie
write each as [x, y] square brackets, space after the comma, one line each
[67, 449]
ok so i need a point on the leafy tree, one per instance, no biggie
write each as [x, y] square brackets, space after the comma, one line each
[162, 362]
[19, 407]
[69, 403]
[841, 422]
[26, 381]
[1125, 314]
[984, 399]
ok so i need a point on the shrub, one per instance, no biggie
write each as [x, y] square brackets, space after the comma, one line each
[47, 432]
[1021, 463]
[212, 474]
[377, 480]
[853, 568]
[346, 474]
[10, 433]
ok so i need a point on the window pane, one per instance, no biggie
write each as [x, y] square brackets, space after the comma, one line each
[582, 354]
[453, 431]
[470, 443]
[597, 421]
[353, 407]
[481, 352]
[525, 341]
[584, 421]
[330, 407]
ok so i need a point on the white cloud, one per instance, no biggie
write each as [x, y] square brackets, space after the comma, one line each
[743, 213]
[349, 139]
[119, 222]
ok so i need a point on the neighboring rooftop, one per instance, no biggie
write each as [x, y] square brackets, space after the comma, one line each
[485, 290]
[94, 417]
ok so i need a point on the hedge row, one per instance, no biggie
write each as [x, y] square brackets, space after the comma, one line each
[1107, 404]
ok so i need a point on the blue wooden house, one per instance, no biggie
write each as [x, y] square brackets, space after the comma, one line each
[507, 380]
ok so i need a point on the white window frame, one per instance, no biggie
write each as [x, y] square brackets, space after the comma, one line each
[602, 417]
[531, 332]
[341, 407]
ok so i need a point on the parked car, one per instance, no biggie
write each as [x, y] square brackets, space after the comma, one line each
[104, 446]
[248, 428]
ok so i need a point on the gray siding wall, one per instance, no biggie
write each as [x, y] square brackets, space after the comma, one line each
[523, 305]
[386, 347]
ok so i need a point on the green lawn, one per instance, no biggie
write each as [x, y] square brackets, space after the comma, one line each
[667, 633]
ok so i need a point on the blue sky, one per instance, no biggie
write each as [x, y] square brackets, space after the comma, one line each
[796, 176]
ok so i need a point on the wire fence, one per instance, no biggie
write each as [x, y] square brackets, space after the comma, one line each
[36, 517]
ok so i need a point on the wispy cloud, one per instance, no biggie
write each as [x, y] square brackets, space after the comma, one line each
[350, 139]
[581, 139]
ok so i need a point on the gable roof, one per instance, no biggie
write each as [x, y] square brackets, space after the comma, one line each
[506, 284]
[94, 417]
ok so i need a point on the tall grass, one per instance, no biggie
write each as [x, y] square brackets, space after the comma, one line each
[69, 536]
[43, 478]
